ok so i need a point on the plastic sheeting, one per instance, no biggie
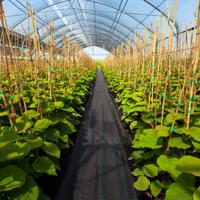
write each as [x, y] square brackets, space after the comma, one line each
[103, 23]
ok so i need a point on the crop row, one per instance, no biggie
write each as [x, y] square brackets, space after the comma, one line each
[165, 157]
[36, 123]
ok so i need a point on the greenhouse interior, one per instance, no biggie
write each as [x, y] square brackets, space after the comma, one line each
[100, 100]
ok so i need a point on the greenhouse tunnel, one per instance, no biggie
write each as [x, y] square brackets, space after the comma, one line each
[100, 100]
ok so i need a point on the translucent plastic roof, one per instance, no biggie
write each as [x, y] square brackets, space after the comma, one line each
[102, 23]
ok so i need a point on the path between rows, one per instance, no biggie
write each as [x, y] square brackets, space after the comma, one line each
[98, 168]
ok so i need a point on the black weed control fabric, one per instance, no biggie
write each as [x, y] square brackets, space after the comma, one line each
[98, 164]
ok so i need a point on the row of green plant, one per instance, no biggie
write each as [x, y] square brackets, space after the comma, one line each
[165, 158]
[41, 129]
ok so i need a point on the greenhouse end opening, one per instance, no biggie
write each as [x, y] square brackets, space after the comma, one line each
[96, 53]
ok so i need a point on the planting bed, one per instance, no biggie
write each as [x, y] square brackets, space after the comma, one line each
[41, 129]
[165, 160]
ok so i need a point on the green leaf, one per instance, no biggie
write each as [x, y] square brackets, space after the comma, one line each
[178, 191]
[70, 128]
[138, 172]
[196, 195]
[186, 179]
[136, 98]
[189, 164]
[150, 170]
[150, 132]
[142, 183]
[168, 164]
[34, 141]
[136, 155]
[66, 128]
[3, 114]
[29, 191]
[47, 106]
[133, 124]
[178, 142]
[166, 183]
[11, 177]
[197, 123]
[148, 141]
[58, 105]
[42, 124]
[194, 132]
[64, 145]
[141, 103]
[56, 162]
[162, 131]
[57, 117]
[78, 100]
[51, 149]
[8, 135]
[149, 155]
[137, 109]
[44, 165]
[52, 134]
[23, 126]
[148, 118]
[65, 138]
[30, 114]
[13, 151]
[196, 145]
[170, 117]
[156, 187]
